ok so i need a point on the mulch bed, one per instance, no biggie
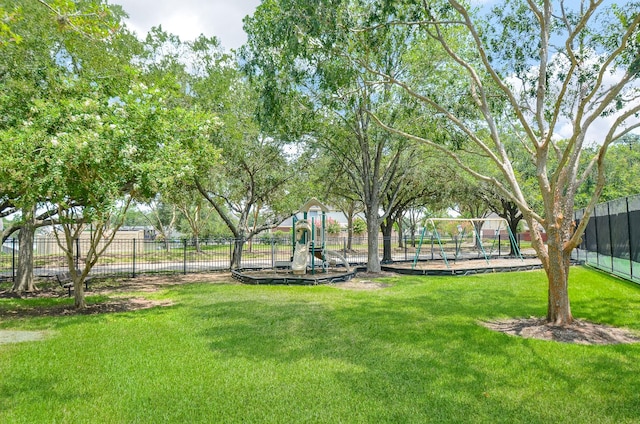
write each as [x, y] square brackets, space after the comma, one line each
[579, 332]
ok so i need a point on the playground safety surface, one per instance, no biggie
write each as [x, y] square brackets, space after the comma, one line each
[432, 267]
[463, 267]
[269, 276]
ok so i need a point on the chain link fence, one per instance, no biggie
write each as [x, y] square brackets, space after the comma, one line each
[611, 241]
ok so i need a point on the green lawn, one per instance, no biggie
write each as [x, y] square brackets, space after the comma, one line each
[412, 352]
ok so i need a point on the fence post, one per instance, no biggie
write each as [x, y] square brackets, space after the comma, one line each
[626, 199]
[133, 271]
[77, 252]
[273, 253]
[610, 234]
[184, 258]
[406, 258]
[499, 244]
[595, 226]
[13, 259]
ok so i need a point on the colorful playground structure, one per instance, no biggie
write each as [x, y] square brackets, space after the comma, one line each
[309, 248]
[310, 259]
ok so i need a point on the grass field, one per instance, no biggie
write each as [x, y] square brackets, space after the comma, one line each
[409, 353]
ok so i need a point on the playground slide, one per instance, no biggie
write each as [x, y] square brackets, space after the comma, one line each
[300, 258]
[336, 255]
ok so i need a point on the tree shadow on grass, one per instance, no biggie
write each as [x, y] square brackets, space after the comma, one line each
[425, 358]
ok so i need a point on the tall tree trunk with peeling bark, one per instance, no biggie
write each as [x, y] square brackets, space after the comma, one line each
[24, 279]
[557, 269]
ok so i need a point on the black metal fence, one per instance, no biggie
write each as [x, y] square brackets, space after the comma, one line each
[611, 241]
[132, 257]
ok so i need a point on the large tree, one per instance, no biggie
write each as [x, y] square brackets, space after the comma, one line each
[298, 50]
[257, 184]
[337, 189]
[55, 57]
[424, 185]
[550, 71]
[106, 154]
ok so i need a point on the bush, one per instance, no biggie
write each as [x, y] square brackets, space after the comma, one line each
[359, 226]
[333, 227]
[274, 237]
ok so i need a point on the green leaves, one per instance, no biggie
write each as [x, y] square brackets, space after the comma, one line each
[7, 18]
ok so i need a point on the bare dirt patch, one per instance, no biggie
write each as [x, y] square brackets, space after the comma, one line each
[361, 285]
[365, 281]
[11, 336]
[580, 332]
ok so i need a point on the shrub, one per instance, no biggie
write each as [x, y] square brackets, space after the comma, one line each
[333, 227]
[359, 226]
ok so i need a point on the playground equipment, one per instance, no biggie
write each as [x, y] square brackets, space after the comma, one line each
[464, 232]
[309, 242]
[302, 242]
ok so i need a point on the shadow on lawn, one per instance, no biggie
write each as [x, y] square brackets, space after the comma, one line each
[426, 354]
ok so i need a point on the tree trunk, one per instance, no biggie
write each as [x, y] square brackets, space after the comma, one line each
[236, 257]
[477, 227]
[24, 279]
[557, 269]
[387, 229]
[72, 264]
[400, 234]
[512, 214]
[78, 290]
[373, 228]
[513, 226]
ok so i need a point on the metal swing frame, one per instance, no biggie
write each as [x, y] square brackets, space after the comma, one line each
[433, 221]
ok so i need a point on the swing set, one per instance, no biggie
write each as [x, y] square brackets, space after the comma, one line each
[464, 232]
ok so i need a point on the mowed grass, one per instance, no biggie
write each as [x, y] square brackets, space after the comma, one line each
[409, 353]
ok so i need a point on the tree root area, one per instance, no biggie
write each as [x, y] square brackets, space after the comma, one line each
[120, 305]
[579, 332]
[115, 289]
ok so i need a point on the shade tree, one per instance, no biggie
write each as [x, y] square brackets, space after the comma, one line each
[50, 64]
[424, 185]
[545, 68]
[106, 151]
[297, 50]
[254, 188]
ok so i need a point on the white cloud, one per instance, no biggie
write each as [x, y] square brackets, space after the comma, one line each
[190, 18]
[597, 131]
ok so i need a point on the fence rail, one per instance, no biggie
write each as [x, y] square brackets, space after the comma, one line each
[611, 241]
[132, 257]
